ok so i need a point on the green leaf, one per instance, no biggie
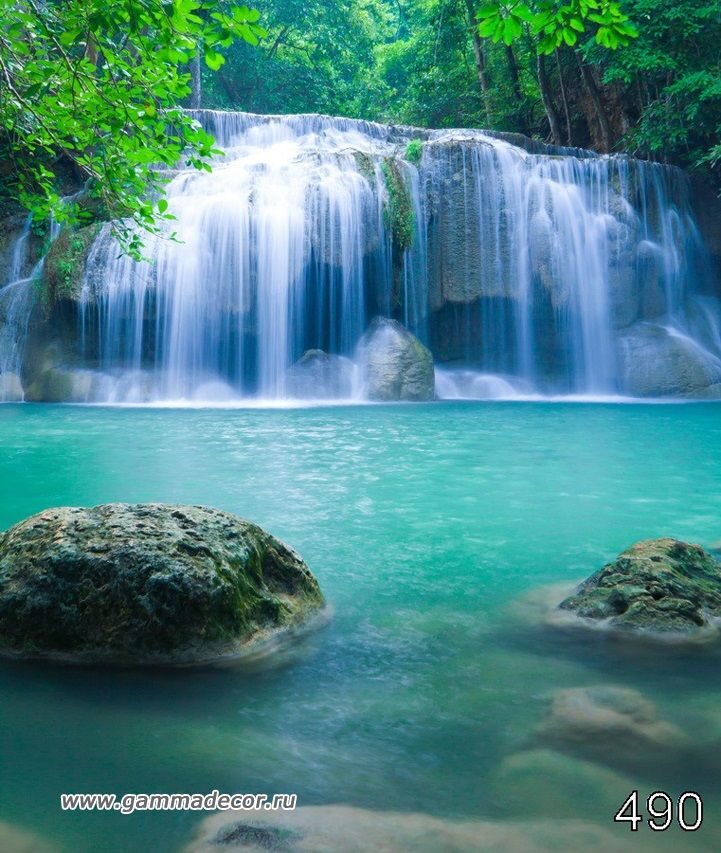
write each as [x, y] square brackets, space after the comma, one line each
[488, 27]
[213, 59]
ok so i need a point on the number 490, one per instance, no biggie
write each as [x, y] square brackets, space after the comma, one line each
[661, 818]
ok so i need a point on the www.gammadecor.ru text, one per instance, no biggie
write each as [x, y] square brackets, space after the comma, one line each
[129, 803]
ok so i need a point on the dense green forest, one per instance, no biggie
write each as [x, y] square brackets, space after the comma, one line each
[98, 89]
[423, 62]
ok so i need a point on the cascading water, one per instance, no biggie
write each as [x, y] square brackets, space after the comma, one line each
[538, 268]
[277, 247]
[16, 300]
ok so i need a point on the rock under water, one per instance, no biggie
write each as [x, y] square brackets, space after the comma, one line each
[14, 839]
[356, 830]
[147, 584]
[614, 725]
[571, 785]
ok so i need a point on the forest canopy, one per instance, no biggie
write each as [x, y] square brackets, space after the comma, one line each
[642, 76]
[97, 91]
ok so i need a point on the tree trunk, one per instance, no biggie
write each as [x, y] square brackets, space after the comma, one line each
[551, 112]
[517, 94]
[595, 97]
[195, 83]
[480, 61]
[564, 99]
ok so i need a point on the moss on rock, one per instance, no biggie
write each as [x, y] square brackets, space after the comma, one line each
[64, 268]
[398, 209]
[146, 583]
[658, 586]
[365, 165]
[414, 151]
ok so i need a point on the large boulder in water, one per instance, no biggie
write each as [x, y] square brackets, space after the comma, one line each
[654, 361]
[395, 365]
[658, 587]
[147, 583]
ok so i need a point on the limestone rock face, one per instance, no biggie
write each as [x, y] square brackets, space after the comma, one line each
[658, 586]
[394, 363]
[145, 584]
[655, 363]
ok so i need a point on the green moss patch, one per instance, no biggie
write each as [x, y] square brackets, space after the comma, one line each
[414, 151]
[398, 211]
[64, 269]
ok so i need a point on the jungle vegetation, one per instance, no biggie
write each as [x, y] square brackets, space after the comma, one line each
[94, 92]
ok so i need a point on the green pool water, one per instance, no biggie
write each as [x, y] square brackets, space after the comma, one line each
[423, 525]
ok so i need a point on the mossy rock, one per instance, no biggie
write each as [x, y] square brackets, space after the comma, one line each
[414, 151]
[658, 586]
[64, 268]
[365, 165]
[147, 584]
[398, 210]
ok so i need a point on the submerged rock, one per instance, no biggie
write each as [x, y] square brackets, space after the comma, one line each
[615, 725]
[571, 786]
[355, 830]
[147, 583]
[660, 587]
[13, 839]
[320, 376]
[395, 365]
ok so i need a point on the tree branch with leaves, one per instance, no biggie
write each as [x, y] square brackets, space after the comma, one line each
[96, 87]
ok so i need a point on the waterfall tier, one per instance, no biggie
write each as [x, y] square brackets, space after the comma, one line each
[535, 269]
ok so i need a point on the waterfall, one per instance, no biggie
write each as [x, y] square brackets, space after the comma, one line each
[533, 268]
[15, 303]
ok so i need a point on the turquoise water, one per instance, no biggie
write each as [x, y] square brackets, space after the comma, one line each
[423, 524]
